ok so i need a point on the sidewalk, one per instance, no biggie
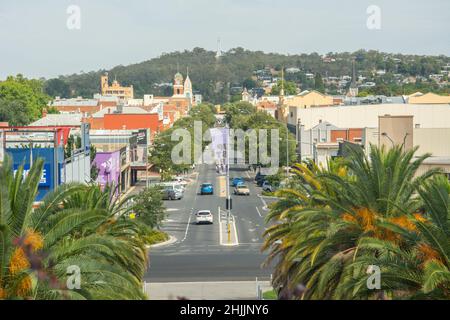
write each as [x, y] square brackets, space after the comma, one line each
[225, 290]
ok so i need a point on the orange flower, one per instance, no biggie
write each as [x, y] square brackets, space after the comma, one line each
[404, 222]
[18, 262]
[420, 217]
[34, 240]
[367, 218]
[428, 253]
[2, 294]
[348, 217]
[25, 287]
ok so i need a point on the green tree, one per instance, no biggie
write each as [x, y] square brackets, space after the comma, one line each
[290, 88]
[324, 222]
[76, 225]
[149, 207]
[318, 83]
[57, 88]
[28, 93]
[14, 112]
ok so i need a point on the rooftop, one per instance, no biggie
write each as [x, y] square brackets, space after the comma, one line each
[59, 120]
[125, 110]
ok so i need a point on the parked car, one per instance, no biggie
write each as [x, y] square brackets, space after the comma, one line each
[260, 178]
[207, 188]
[241, 190]
[171, 194]
[173, 185]
[180, 180]
[237, 181]
[204, 216]
[266, 186]
[260, 182]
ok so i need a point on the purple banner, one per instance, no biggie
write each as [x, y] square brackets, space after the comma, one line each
[109, 165]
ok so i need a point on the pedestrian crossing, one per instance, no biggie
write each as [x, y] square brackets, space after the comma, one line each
[183, 249]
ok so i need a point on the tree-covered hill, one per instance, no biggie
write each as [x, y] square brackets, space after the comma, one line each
[213, 77]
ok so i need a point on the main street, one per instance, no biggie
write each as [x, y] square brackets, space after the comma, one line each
[197, 255]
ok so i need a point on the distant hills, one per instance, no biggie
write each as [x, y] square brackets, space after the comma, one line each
[214, 78]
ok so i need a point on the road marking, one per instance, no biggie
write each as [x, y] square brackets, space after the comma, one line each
[220, 228]
[235, 232]
[222, 187]
[172, 209]
[263, 201]
[258, 212]
[187, 227]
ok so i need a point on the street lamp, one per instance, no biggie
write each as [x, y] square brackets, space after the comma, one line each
[384, 134]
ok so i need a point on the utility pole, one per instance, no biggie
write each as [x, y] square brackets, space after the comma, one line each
[299, 139]
[287, 151]
[228, 184]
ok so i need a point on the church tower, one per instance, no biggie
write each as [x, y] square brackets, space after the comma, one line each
[353, 90]
[178, 86]
[282, 109]
[188, 89]
[104, 83]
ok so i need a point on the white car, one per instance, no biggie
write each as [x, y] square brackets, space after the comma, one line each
[180, 180]
[204, 216]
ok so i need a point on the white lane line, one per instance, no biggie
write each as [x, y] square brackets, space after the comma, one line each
[257, 210]
[263, 201]
[235, 231]
[187, 227]
[220, 228]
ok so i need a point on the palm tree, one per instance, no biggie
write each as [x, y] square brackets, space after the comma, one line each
[320, 229]
[76, 226]
[416, 264]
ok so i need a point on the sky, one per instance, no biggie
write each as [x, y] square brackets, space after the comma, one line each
[35, 39]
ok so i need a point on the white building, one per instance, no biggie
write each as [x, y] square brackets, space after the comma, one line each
[362, 116]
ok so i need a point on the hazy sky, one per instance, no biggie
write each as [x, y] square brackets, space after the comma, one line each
[35, 40]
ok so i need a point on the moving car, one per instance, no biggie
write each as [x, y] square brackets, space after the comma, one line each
[207, 188]
[237, 181]
[241, 190]
[204, 216]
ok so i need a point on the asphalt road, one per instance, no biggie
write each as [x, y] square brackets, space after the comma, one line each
[197, 254]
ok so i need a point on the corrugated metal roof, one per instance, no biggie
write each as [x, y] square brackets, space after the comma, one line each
[59, 120]
[125, 110]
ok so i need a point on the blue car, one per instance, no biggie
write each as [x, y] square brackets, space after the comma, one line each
[206, 188]
[237, 181]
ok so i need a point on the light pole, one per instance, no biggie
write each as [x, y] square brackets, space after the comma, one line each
[384, 134]
[228, 184]
[404, 141]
